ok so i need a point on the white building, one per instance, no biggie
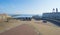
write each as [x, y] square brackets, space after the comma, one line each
[53, 15]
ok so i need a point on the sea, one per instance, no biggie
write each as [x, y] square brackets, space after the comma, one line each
[22, 15]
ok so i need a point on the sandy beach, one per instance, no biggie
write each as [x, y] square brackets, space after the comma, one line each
[39, 26]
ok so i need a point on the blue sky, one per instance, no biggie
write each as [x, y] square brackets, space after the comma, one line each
[28, 6]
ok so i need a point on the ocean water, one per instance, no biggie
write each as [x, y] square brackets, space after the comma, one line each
[21, 15]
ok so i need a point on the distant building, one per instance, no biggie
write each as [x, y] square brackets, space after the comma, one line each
[53, 15]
